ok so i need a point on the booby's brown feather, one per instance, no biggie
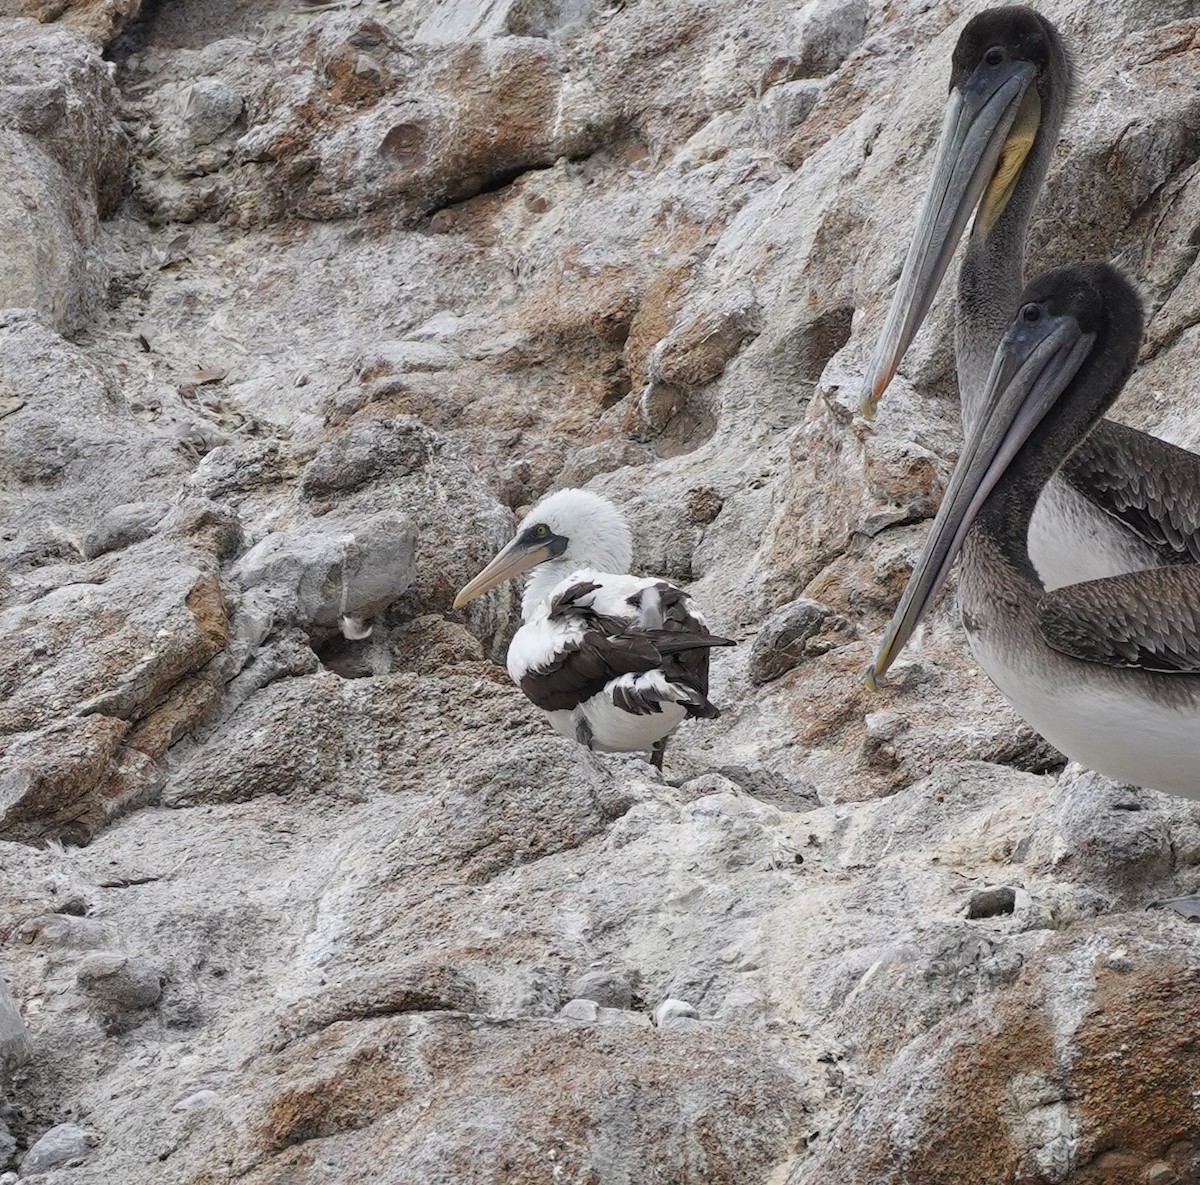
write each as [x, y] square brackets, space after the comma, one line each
[612, 647]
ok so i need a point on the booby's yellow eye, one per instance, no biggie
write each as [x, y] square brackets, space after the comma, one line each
[541, 531]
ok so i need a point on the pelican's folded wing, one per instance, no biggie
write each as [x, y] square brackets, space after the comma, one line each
[1149, 485]
[1149, 621]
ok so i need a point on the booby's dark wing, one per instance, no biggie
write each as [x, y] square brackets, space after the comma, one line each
[611, 646]
[1149, 485]
[1149, 621]
[664, 606]
[583, 668]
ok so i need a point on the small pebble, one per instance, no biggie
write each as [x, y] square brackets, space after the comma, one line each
[66, 930]
[202, 1098]
[120, 980]
[586, 1010]
[991, 902]
[1161, 1173]
[1118, 960]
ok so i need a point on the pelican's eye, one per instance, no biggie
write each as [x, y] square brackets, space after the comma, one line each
[1031, 314]
[994, 56]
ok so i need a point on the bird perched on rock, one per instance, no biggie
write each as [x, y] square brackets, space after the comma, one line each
[617, 662]
[1113, 506]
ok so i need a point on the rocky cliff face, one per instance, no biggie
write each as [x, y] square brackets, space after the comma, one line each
[301, 302]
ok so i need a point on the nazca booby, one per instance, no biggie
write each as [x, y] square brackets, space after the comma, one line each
[616, 662]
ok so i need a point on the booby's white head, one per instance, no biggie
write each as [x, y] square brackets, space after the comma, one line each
[566, 531]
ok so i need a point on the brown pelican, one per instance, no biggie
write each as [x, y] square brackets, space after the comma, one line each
[1124, 501]
[1107, 670]
[617, 662]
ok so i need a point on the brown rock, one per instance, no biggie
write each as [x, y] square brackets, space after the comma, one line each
[1024, 1086]
[341, 1087]
[82, 668]
[53, 780]
[99, 20]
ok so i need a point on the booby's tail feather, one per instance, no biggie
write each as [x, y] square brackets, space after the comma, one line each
[645, 693]
[678, 642]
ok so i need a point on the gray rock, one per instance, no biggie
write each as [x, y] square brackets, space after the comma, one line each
[786, 637]
[786, 106]
[671, 1012]
[609, 989]
[829, 31]
[120, 982]
[237, 469]
[1116, 837]
[14, 1038]
[209, 109]
[54, 1149]
[64, 162]
[122, 526]
[580, 1009]
[67, 931]
[400, 357]
[768, 786]
[316, 576]
[363, 453]
[991, 902]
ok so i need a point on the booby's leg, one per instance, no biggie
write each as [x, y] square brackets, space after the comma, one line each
[656, 753]
[1186, 907]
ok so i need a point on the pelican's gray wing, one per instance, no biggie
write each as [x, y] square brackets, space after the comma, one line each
[1149, 621]
[1149, 485]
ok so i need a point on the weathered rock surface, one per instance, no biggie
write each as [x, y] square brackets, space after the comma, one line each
[14, 1035]
[284, 903]
[64, 156]
[63, 1145]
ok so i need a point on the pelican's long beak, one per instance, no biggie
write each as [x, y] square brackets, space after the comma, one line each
[990, 126]
[1032, 367]
[517, 557]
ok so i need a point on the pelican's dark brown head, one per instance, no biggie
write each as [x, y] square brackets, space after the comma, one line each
[1102, 304]
[994, 47]
[1097, 295]
[1009, 85]
[1007, 34]
[1069, 348]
